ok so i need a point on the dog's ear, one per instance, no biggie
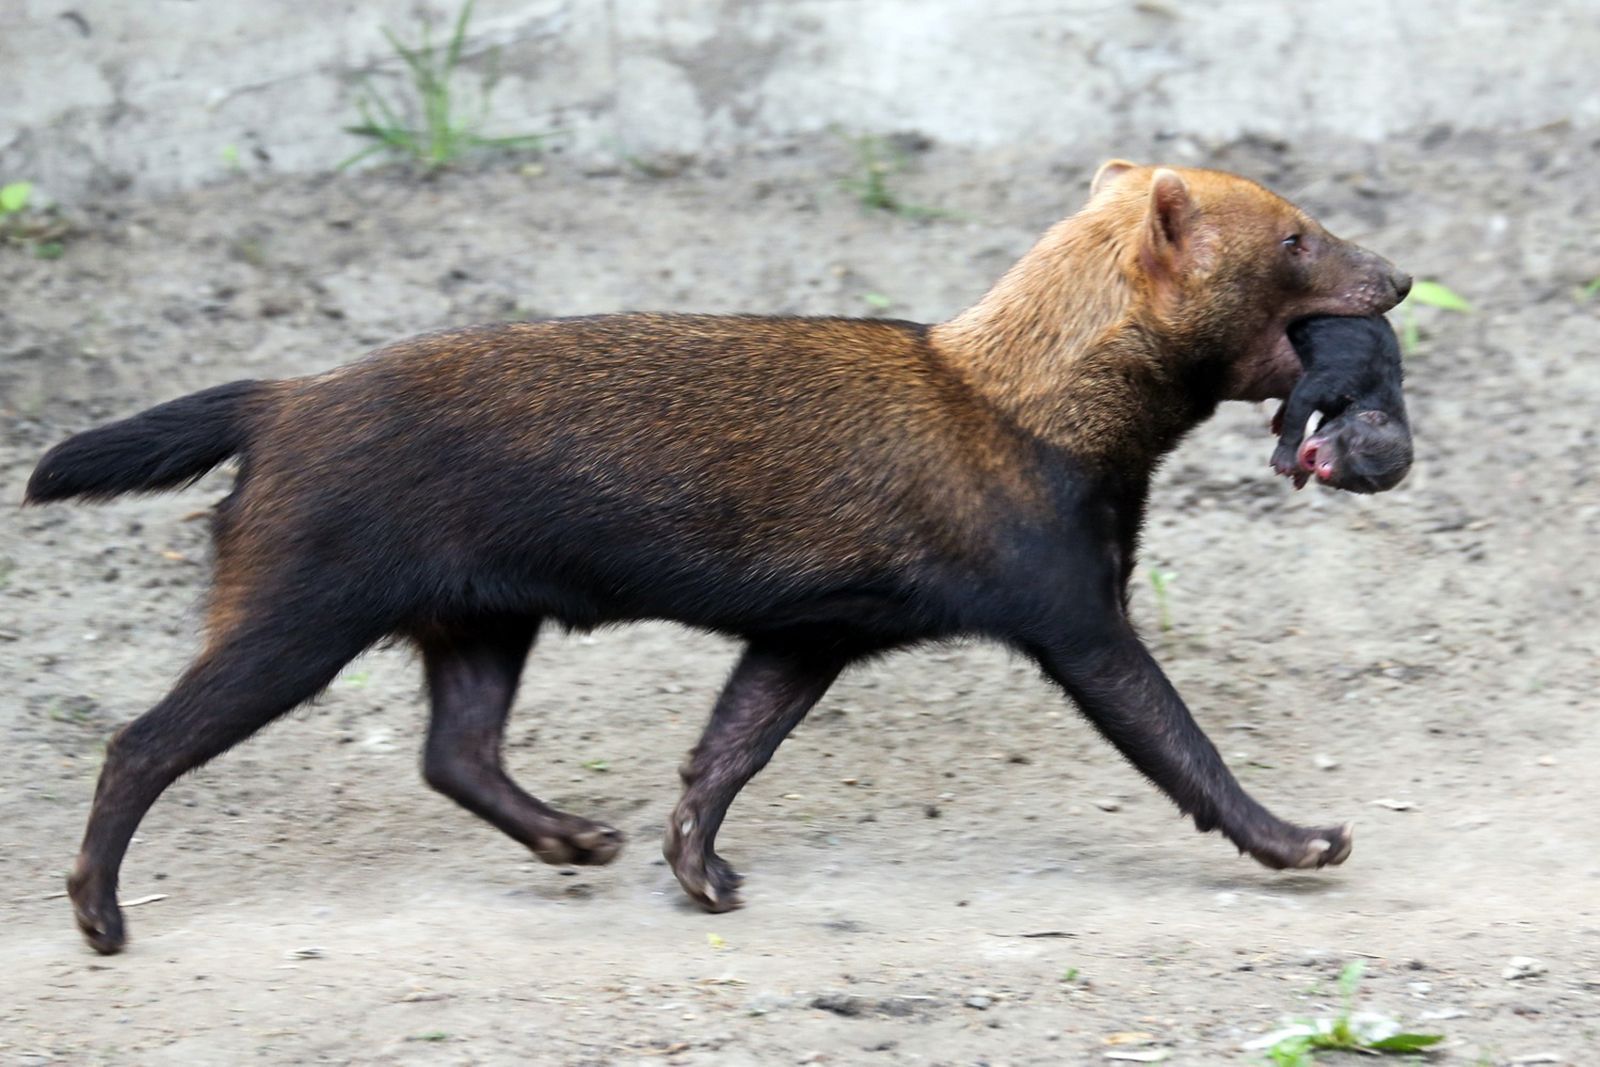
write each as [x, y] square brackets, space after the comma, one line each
[1107, 175]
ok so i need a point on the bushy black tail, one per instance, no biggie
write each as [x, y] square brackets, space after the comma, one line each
[168, 446]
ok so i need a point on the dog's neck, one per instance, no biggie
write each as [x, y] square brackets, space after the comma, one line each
[1057, 345]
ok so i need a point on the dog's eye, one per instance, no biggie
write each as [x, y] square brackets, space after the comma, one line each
[1292, 243]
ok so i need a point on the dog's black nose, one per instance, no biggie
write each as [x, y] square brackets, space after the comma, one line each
[1401, 283]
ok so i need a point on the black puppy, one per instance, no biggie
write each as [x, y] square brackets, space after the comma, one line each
[1352, 376]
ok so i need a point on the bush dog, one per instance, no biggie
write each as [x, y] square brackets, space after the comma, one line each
[1352, 376]
[824, 489]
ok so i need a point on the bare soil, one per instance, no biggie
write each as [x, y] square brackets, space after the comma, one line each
[946, 865]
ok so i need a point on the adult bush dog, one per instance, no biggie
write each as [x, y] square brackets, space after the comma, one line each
[824, 489]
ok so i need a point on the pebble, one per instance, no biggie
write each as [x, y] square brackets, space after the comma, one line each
[1324, 762]
[1107, 804]
[766, 1003]
[844, 1004]
[979, 1001]
[1518, 967]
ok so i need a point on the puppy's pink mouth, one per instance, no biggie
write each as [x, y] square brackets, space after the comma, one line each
[1313, 461]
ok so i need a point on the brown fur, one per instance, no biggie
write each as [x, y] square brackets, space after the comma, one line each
[827, 489]
[1108, 340]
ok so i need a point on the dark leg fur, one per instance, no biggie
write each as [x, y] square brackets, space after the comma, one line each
[772, 688]
[242, 681]
[1290, 425]
[472, 677]
[1123, 692]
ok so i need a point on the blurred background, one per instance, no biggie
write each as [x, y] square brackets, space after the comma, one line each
[170, 93]
[946, 865]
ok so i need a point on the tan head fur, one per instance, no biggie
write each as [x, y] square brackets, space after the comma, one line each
[1169, 291]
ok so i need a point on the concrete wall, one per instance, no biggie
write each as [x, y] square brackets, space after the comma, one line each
[169, 92]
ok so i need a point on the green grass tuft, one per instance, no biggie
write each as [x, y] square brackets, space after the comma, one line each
[429, 129]
[1160, 581]
[1427, 294]
[879, 160]
[1346, 1032]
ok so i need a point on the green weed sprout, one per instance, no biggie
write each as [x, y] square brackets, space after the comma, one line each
[1349, 1031]
[880, 160]
[430, 130]
[1160, 580]
[42, 230]
[14, 196]
[1429, 294]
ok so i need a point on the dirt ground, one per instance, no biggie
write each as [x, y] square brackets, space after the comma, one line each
[946, 865]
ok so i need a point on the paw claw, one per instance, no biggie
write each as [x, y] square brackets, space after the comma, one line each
[705, 876]
[593, 845]
[1314, 854]
[1347, 841]
[1301, 849]
[596, 838]
[105, 935]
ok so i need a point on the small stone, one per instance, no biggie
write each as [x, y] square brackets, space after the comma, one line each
[901, 1007]
[1519, 967]
[843, 1004]
[1107, 804]
[1324, 762]
[979, 1002]
[766, 1003]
